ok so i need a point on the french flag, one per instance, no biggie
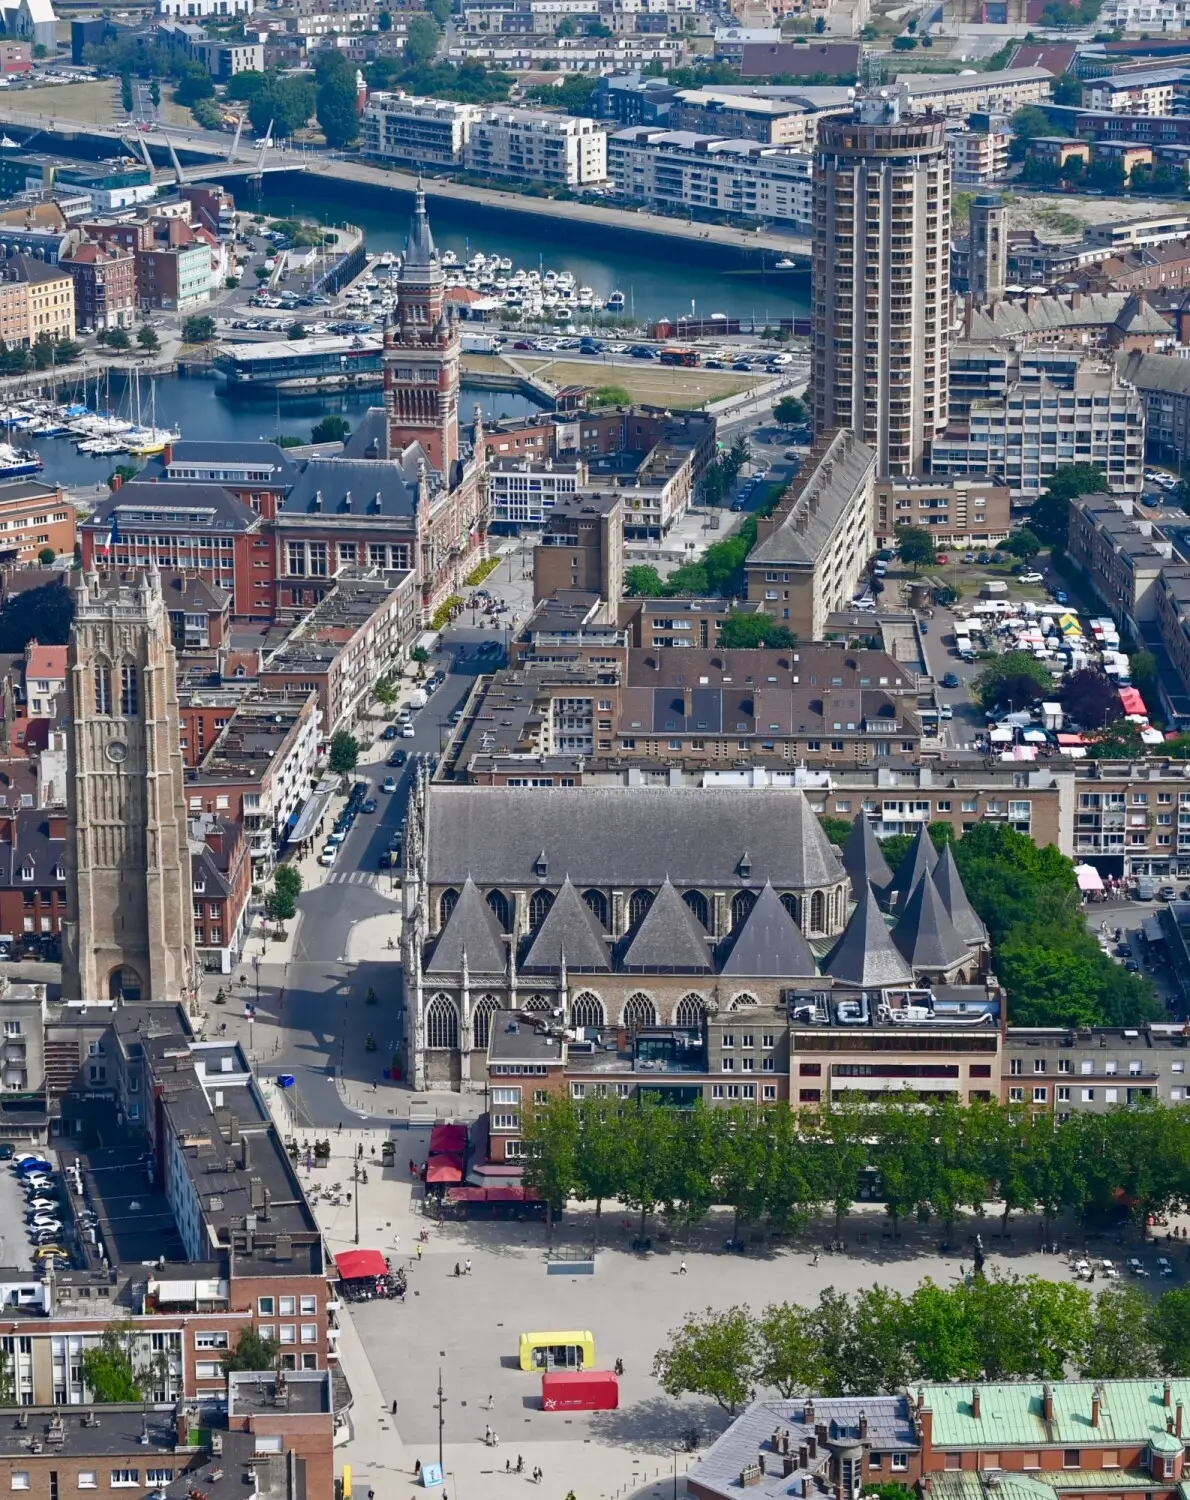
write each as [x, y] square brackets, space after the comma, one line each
[113, 536]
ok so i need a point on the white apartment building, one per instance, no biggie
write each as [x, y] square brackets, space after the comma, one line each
[978, 157]
[201, 10]
[618, 54]
[960, 93]
[678, 169]
[530, 145]
[523, 491]
[1138, 94]
[1146, 15]
[421, 132]
[1021, 438]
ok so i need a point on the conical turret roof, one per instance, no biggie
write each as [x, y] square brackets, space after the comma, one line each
[920, 857]
[471, 928]
[924, 933]
[954, 898]
[865, 954]
[571, 930]
[863, 859]
[668, 936]
[769, 943]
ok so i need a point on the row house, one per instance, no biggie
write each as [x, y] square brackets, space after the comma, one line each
[221, 883]
[1121, 554]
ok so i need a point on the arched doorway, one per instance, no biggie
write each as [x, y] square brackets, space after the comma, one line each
[123, 983]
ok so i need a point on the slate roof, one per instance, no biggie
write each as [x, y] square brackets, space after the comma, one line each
[1154, 372]
[810, 511]
[33, 849]
[924, 932]
[571, 930]
[1005, 320]
[471, 927]
[865, 954]
[769, 943]
[420, 249]
[863, 858]
[370, 438]
[172, 506]
[954, 898]
[667, 937]
[359, 487]
[919, 857]
[637, 835]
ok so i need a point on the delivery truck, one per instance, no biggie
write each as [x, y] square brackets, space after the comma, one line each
[579, 1390]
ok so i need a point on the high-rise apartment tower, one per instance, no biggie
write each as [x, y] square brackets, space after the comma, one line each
[881, 279]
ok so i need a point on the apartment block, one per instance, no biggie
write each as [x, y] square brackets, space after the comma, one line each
[581, 549]
[1084, 414]
[678, 169]
[1122, 555]
[1135, 93]
[421, 132]
[177, 279]
[745, 117]
[811, 552]
[34, 516]
[1164, 386]
[1004, 91]
[979, 157]
[1059, 1072]
[259, 770]
[880, 298]
[49, 296]
[967, 512]
[523, 491]
[361, 631]
[532, 146]
[104, 286]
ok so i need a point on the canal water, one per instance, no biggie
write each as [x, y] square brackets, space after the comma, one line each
[199, 408]
[659, 278]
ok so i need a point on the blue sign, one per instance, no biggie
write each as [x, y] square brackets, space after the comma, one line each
[431, 1476]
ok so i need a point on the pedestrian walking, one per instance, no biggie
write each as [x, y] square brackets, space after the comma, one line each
[520, 1464]
[487, 1434]
[495, 1439]
[467, 1269]
[508, 1465]
[488, 1405]
[419, 1249]
[682, 1269]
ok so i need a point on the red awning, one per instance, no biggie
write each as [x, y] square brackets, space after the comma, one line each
[444, 1169]
[355, 1265]
[1132, 701]
[465, 1195]
[451, 1139]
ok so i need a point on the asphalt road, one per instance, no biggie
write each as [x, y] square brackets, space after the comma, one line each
[313, 1016]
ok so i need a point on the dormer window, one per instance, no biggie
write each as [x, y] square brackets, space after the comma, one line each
[200, 887]
[744, 868]
[541, 866]
[28, 871]
[59, 873]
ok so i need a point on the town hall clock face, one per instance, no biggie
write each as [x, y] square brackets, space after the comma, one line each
[116, 751]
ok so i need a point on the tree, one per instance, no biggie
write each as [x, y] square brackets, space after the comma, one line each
[712, 1354]
[108, 1371]
[1142, 668]
[597, 1160]
[117, 338]
[199, 329]
[421, 657]
[688, 581]
[916, 546]
[155, 93]
[790, 412]
[643, 582]
[1121, 1346]
[252, 1352]
[1012, 681]
[46, 557]
[284, 103]
[281, 902]
[1027, 123]
[1067, 89]
[746, 631]
[121, 474]
[788, 1355]
[194, 82]
[440, 10]
[647, 1166]
[551, 1136]
[1170, 1329]
[43, 614]
[1023, 543]
[1049, 514]
[336, 105]
[421, 40]
[385, 21]
[126, 99]
[385, 693]
[610, 395]
[242, 87]
[332, 429]
[146, 337]
[343, 756]
[1090, 698]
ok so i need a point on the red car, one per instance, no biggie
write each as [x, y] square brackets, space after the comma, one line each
[941, 557]
[522, 344]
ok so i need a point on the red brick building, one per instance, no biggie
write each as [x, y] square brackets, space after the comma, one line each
[104, 286]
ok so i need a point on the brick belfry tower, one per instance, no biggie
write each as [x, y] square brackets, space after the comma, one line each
[130, 933]
[421, 354]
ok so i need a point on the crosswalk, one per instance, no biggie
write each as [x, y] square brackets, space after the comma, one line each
[353, 877]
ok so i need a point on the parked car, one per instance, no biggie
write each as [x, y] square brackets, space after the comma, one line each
[1032, 577]
[328, 855]
[950, 680]
[390, 732]
[6, 1150]
[1164, 1268]
[407, 731]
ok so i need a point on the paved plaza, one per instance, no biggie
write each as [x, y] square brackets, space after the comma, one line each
[468, 1327]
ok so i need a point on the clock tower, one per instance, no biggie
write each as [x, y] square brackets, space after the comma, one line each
[421, 354]
[130, 933]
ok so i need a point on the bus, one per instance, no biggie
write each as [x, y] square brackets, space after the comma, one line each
[557, 1351]
[679, 357]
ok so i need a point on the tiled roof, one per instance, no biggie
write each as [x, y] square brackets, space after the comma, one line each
[863, 858]
[571, 931]
[472, 929]
[866, 955]
[667, 937]
[954, 898]
[924, 932]
[45, 661]
[920, 857]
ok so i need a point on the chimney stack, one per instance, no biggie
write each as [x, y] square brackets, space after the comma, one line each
[976, 1404]
[1167, 1395]
[1096, 1407]
[863, 1423]
[1047, 1401]
[1178, 1424]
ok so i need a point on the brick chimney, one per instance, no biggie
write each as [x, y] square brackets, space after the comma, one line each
[117, 482]
[57, 823]
[168, 454]
[976, 1404]
[1096, 1408]
[1167, 1395]
[215, 838]
[1047, 1401]
[1178, 1423]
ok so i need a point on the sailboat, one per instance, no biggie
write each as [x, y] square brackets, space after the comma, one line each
[144, 442]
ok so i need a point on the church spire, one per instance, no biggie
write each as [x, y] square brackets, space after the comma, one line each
[420, 249]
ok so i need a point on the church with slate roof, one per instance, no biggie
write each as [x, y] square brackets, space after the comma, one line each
[655, 924]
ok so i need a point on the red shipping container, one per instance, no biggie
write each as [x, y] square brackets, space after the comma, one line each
[579, 1390]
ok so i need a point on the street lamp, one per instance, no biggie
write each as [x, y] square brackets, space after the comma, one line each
[359, 1151]
[256, 968]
